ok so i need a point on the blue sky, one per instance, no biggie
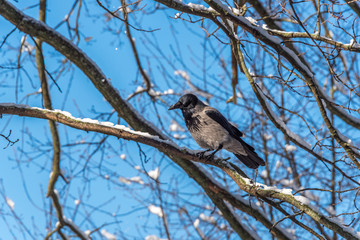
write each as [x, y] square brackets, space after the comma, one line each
[108, 52]
[181, 45]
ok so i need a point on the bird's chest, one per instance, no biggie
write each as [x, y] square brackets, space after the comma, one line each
[195, 123]
[206, 134]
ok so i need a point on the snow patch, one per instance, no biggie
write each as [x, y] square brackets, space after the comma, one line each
[178, 136]
[154, 174]
[198, 7]
[264, 174]
[354, 44]
[303, 200]
[154, 237]
[137, 179]
[10, 203]
[253, 21]
[175, 127]
[290, 148]
[26, 46]
[108, 235]
[267, 136]
[124, 180]
[155, 210]
[278, 164]
[196, 223]
[205, 218]
[169, 91]
[182, 74]
[331, 210]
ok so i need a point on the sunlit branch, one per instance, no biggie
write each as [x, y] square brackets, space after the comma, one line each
[180, 154]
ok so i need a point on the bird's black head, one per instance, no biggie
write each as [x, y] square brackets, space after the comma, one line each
[188, 101]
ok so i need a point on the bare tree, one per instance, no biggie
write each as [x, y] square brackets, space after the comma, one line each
[287, 73]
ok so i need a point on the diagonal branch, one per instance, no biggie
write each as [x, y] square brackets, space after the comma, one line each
[43, 32]
[7, 138]
[94, 73]
[354, 6]
[293, 59]
[181, 156]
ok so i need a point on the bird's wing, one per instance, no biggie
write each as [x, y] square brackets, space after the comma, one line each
[251, 159]
[220, 119]
[247, 145]
[236, 131]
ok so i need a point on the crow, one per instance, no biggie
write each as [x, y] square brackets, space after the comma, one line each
[212, 131]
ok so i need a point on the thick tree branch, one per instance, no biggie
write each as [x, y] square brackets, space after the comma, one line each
[345, 46]
[354, 6]
[311, 83]
[278, 123]
[43, 32]
[295, 61]
[64, 46]
[292, 57]
[73, 53]
[181, 155]
[275, 29]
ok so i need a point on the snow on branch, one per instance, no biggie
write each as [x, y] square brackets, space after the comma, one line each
[292, 57]
[278, 123]
[352, 46]
[86, 124]
[64, 46]
[242, 204]
[171, 149]
[261, 34]
[304, 205]
[192, 8]
[166, 146]
[272, 192]
[296, 62]
[264, 35]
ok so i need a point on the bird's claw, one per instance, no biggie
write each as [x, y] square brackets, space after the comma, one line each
[201, 155]
[209, 158]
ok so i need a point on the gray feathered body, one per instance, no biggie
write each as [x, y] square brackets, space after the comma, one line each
[211, 130]
[208, 133]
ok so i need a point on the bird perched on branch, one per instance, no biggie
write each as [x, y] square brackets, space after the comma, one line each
[212, 131]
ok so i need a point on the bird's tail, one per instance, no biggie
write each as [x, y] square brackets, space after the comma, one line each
[252, 160]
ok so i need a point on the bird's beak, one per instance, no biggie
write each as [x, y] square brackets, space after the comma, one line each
[175, 106]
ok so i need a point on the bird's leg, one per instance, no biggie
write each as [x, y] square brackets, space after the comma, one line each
[211, 156]
[201, 154]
